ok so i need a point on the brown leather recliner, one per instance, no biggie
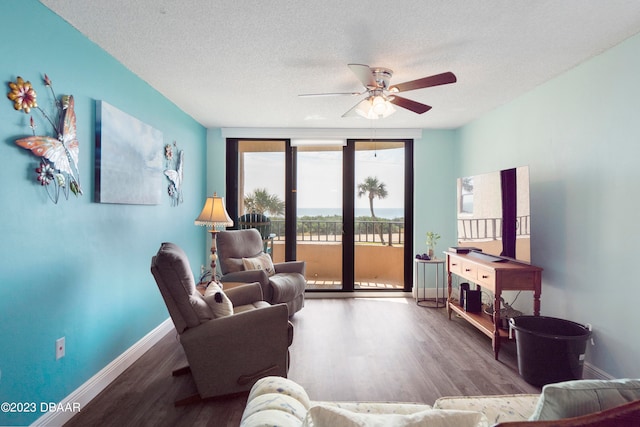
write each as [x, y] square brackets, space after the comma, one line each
[286, 284]
[226, 355]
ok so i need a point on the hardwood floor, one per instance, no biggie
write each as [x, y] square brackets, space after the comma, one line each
[375, 349]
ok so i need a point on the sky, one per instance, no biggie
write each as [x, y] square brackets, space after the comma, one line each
[320, 176]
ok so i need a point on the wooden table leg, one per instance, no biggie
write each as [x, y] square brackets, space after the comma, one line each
[449, 293]
[496, 325]
[536, 294]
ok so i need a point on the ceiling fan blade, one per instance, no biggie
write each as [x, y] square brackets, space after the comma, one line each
[414, 106]
[436, 80]
[302, 95]
[352, 111]
[364, 74]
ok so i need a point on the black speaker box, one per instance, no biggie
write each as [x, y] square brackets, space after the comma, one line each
[472, 301]
[463, 287]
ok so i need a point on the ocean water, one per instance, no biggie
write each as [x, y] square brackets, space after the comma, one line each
[389, 213]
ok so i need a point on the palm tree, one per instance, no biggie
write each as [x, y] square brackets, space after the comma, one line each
[373, 188]
[261, 202]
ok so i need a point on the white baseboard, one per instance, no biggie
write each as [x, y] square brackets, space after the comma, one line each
[429, 293]
[92, 387]
[591, 372]
[357, 294]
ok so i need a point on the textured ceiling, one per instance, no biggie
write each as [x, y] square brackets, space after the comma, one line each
[243, 63]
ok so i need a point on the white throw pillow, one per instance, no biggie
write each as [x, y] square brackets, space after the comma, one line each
[260, 262]
[325, 416]
[581, 397]
[218, 301]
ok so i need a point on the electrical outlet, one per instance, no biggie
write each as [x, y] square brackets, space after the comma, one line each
[60, 348]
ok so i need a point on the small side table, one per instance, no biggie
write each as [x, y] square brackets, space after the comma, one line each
[438, 265]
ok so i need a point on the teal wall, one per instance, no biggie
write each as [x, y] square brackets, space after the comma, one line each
[79, 269]
[580, 135]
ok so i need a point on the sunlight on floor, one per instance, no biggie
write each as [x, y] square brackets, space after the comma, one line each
[386, 299]
[331, 284]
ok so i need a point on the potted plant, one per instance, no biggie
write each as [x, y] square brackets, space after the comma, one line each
[432, 240]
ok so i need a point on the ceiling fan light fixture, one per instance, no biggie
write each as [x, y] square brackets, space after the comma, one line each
[375, 107]
[378, 105]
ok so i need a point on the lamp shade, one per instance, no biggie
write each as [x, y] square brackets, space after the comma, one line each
[214, 213]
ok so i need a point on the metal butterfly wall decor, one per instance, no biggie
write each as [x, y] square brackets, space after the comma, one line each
[58, 169]
[174, 172]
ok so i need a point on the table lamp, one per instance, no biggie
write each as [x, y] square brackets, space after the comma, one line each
[214, 215]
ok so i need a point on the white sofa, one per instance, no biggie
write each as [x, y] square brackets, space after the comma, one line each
[276, 401]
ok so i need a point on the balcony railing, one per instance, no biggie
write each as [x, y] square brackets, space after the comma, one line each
[490, 228]
[315, 230]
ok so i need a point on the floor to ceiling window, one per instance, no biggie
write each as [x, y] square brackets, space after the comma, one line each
[344, 207]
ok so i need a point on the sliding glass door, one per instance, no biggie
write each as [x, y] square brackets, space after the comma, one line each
[344, 208]
[319, 211]
[379, 229]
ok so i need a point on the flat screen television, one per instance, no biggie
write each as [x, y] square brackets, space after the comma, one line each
[494, 214]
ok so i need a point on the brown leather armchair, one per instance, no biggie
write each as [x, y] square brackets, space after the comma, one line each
[226, 355]
[286, 283]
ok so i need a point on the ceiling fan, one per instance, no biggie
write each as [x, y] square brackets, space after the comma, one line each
[380, 95]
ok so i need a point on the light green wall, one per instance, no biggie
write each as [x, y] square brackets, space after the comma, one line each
[216, 163]
[79, 269]
[435, 189]
[580, 135]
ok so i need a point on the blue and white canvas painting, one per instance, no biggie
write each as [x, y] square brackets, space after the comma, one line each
[129, 167]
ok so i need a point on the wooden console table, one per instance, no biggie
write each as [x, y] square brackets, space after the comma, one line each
[495, 277]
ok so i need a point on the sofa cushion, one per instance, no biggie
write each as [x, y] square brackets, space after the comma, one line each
[376, 407]
[497, 409]
[582, 397]
[247, 307]
[260, 262]
[270, 418]
[233, 265]
[275, 401]
[279, 385]
[327, 416]
[287, 286]
[218, 301]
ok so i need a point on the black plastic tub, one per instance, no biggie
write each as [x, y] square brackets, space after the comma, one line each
[550, 350]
